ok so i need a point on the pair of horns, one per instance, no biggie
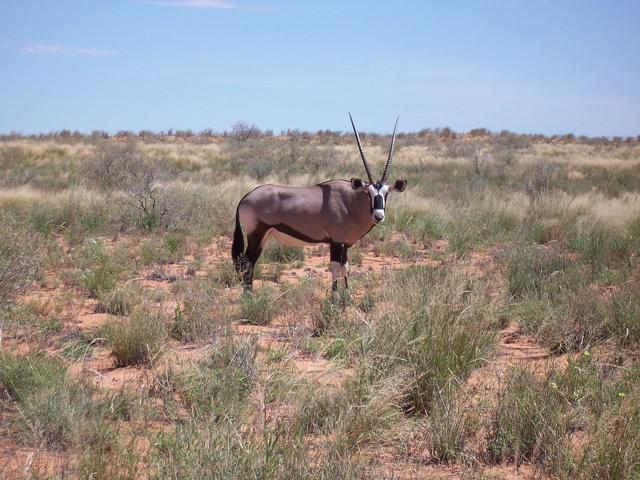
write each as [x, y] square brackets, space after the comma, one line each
[387, 167]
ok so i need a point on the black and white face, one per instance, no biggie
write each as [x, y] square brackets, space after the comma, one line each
[378, 193]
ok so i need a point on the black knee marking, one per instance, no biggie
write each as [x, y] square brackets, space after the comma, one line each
[338, 254]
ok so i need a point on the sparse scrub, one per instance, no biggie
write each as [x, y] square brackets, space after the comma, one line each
[366, 387]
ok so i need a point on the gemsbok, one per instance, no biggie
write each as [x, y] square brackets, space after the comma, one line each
[337, 212]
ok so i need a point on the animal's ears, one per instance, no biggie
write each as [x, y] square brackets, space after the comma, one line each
[356, 183]
[399, 185]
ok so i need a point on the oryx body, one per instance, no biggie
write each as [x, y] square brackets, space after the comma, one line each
[336, 212]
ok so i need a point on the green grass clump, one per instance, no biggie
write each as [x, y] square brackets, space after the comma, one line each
[158, 249]
[531, 271]
[397, 248]
[277, 253]
[447, 428]
[201, 311]
[538, 414]
[259, 306]
[137, 339]
[51, 408]
[429, 227]
[227, 450]
[100, 267]
[600, 246]
[624, 313]
[556, 302]
[479, 224]
[119, 301]
[226, 275]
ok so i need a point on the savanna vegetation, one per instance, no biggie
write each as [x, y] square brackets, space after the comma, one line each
[493, 325]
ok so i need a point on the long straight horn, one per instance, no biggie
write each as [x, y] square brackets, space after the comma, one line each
[364, 159]
[387, 167]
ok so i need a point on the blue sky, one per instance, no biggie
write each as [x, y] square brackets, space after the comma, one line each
[526, 66]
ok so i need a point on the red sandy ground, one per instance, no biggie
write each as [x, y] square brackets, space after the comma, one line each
[18, 461]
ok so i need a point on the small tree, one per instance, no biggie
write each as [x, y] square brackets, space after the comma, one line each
[242, 131]
[141, 188]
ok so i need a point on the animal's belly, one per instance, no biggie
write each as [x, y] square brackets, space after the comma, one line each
[287, 240]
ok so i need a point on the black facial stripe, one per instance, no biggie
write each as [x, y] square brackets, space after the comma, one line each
[378, 202]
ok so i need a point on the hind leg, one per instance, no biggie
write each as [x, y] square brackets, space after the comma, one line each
[255, 241]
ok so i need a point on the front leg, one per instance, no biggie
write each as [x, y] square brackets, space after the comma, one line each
[335, 266]
[345, 265]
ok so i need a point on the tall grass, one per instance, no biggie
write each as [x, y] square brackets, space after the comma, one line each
[438, 327]
[217, 388]
[531, 422]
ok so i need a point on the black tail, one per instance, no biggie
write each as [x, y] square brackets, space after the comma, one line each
[237, 249]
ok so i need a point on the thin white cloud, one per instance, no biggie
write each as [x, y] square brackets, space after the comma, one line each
[222, 4]
[67, 50]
